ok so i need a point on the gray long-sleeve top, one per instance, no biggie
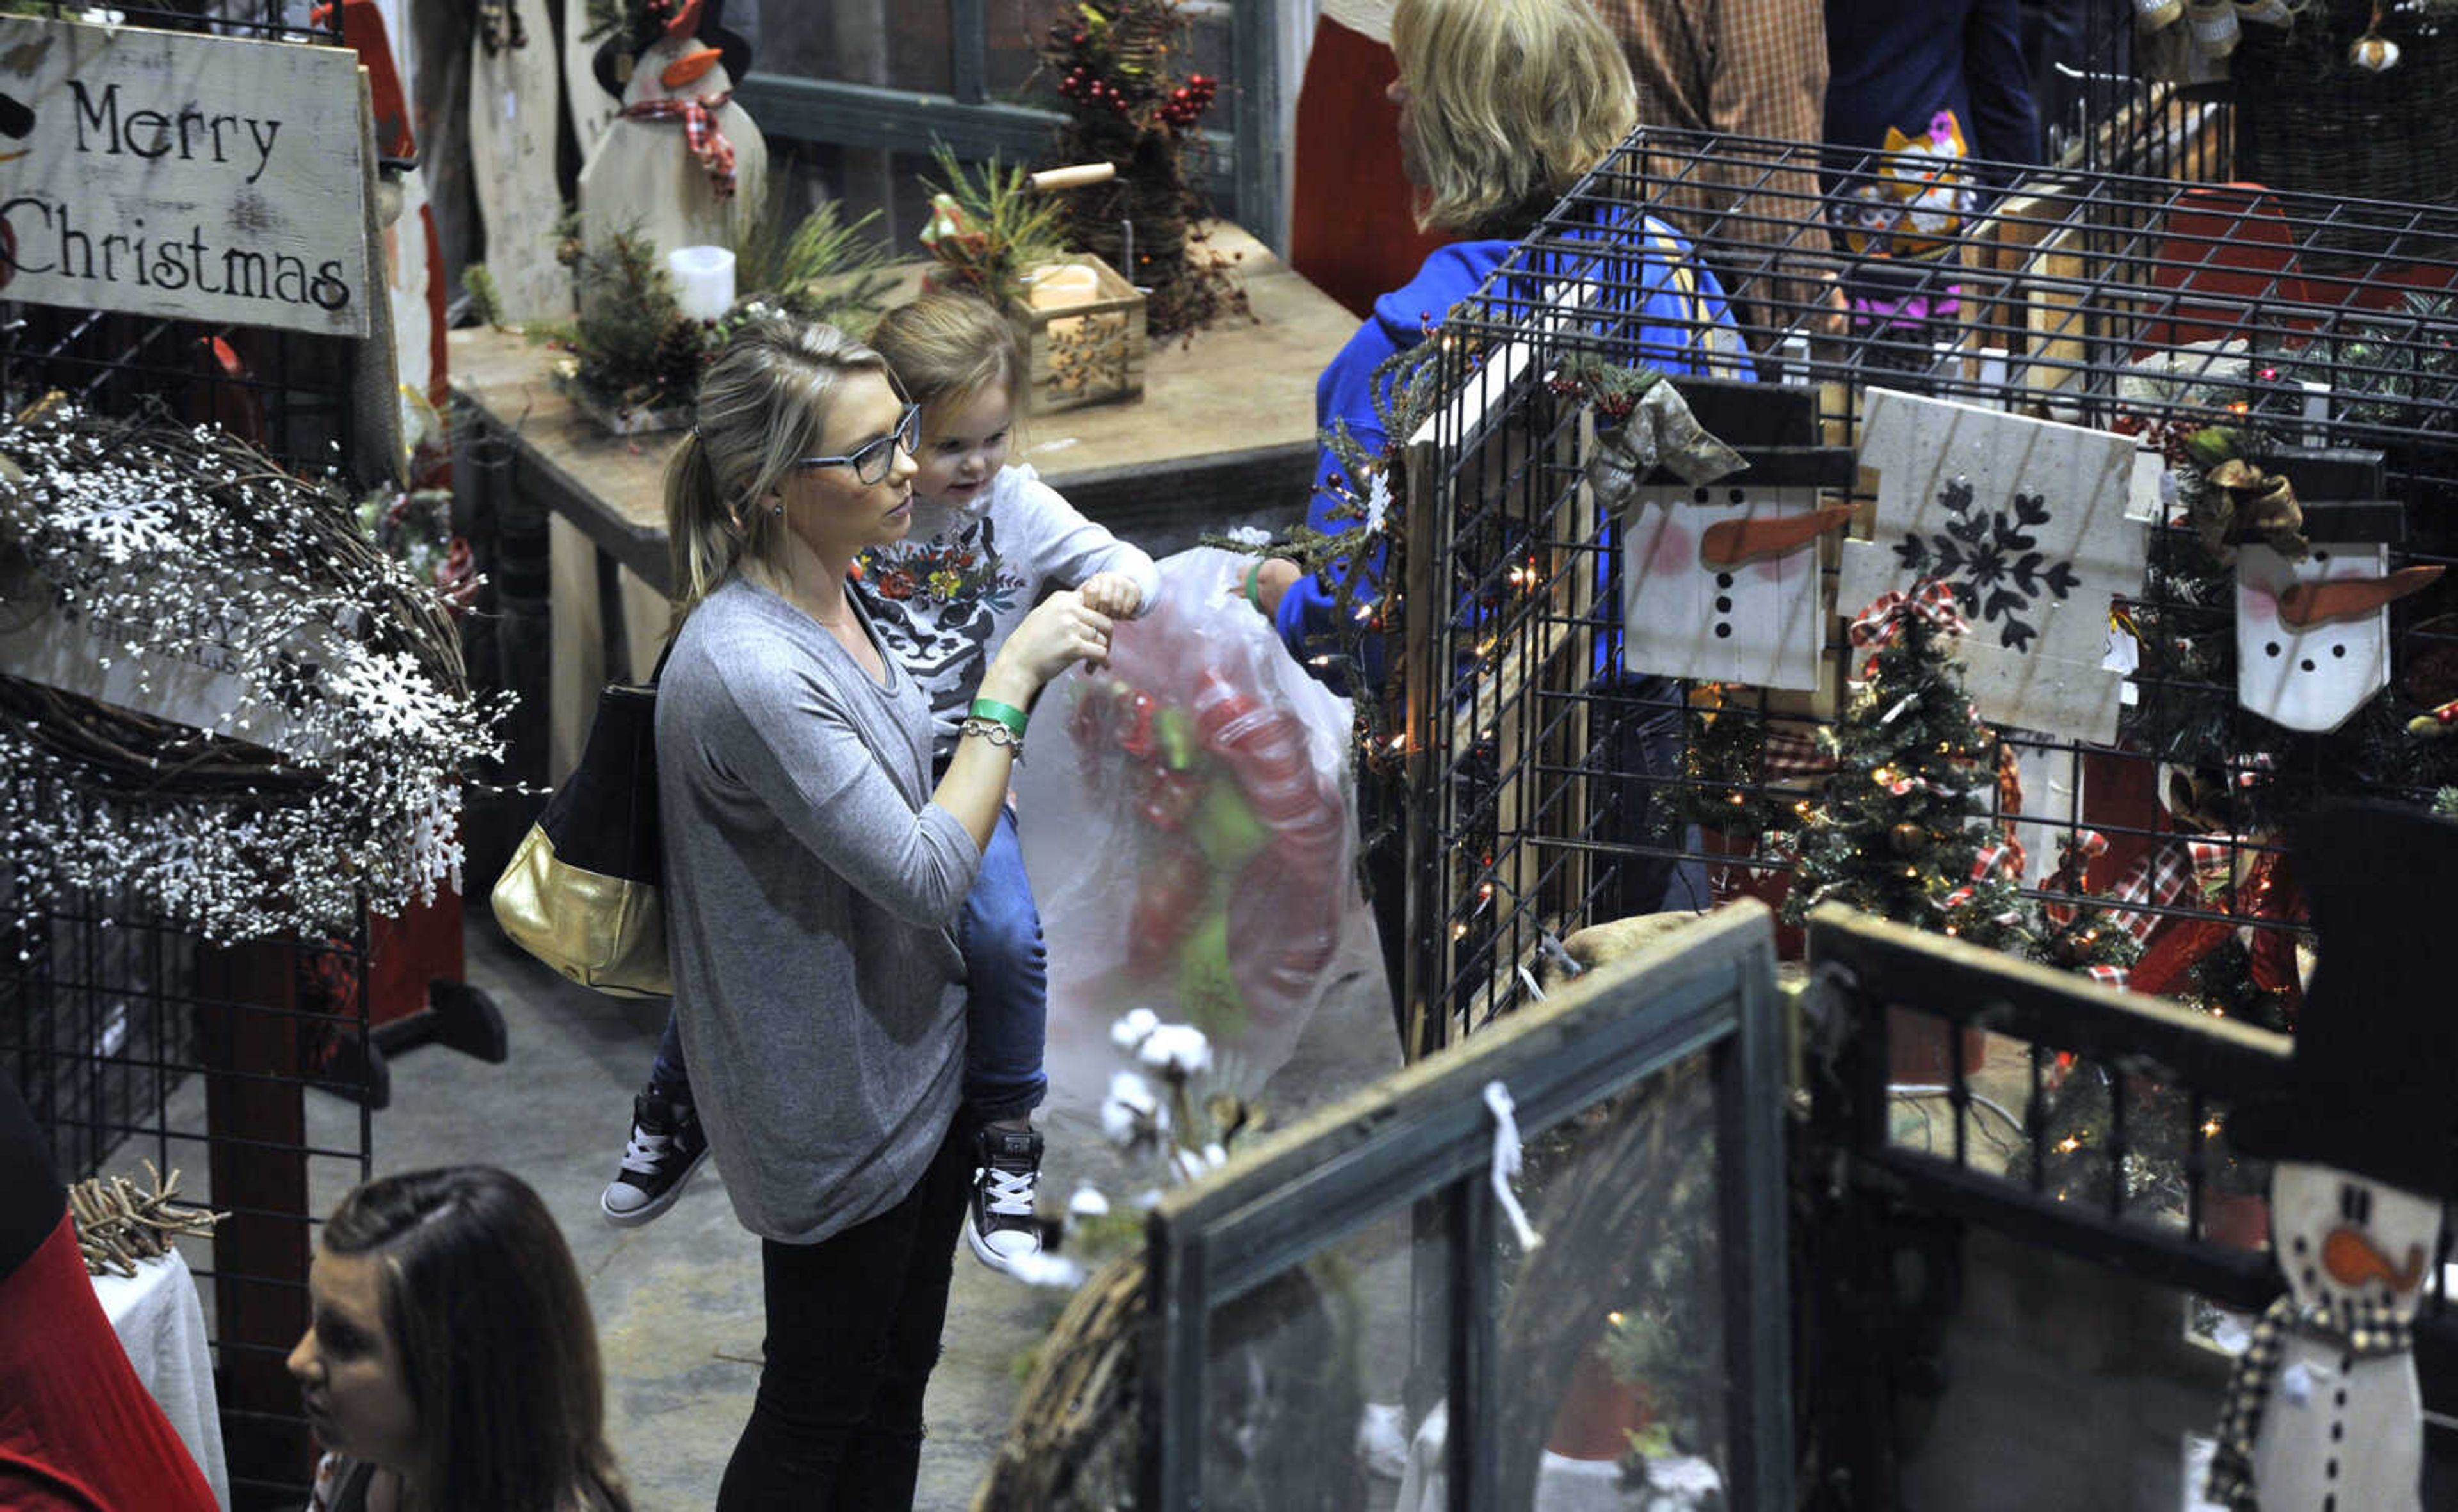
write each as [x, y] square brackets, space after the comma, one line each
[811, 891]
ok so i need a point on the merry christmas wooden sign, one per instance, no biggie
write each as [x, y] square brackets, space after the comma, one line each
[202, 178]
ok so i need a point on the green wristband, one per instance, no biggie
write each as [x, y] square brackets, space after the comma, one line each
[1254, 585]
[1006, 714]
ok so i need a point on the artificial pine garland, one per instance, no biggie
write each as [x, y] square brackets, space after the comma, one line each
[1006, 227]
[634, 351]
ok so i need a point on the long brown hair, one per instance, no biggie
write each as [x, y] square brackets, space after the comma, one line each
[764, 406]
[496, 1343]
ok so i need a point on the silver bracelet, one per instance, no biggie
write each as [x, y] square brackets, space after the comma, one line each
[993, 732]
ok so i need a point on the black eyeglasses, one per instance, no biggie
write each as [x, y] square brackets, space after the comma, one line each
[871, 464]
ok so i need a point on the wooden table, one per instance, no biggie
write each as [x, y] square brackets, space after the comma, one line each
[1225, 434]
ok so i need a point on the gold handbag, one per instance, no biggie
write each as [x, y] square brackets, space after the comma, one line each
[581, 891]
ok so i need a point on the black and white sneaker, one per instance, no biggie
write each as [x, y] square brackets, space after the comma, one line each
[1007, 1170]
[667, 1145]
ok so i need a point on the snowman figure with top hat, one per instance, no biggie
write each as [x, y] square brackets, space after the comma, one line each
[2323, 1414]
[681, 164]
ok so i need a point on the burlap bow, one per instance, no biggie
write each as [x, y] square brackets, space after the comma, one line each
[1659, 430]
[2240, 503]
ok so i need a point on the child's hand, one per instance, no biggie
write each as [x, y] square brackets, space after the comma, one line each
[1112, 593]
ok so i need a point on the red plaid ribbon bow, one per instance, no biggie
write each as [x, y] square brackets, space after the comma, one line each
[2080, 849]
[1877, 626]
[2000, 856]
[700, 135]
[2161, 877]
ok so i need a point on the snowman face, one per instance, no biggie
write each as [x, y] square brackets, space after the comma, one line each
[1758, 622]
[2313, 676]
[2344, 1239]
[648, 81]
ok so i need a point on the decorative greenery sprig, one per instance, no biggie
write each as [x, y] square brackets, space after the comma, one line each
[1009, 227]
[822, 269]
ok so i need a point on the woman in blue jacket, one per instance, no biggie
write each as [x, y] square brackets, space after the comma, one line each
[1504, 106]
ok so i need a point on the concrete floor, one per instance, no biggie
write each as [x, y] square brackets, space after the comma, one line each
[677, 1301]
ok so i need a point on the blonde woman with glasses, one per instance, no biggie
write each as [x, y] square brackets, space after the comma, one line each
[813, 878]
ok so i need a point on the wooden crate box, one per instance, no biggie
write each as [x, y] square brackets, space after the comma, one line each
[1085, 351]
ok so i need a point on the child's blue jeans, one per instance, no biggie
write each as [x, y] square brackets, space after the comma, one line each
[1007, 1013]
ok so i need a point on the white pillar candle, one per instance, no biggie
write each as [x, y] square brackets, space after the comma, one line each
[703, 281]
[1063, 285]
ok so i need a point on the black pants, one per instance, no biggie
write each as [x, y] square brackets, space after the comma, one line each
[853, 1332]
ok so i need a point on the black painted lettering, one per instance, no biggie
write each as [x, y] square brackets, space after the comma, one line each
[110, 261]
[245, 273]
[289, 279]
[330, 291]
[103, 117]
[83, 247]
[201, 265]
[170, 265]
[18, 264]
[265, 132]
[142, 123]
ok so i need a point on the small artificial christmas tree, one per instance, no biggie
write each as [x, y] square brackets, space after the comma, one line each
[1901, 830]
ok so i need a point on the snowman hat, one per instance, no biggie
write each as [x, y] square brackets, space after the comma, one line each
[2368, 1085]
[735, 52]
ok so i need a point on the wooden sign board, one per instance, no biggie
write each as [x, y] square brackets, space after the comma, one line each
[43, 639]
[199, 177]
[2030, 522]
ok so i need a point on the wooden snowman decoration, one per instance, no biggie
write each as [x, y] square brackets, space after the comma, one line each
[681, 164]
[2312, 636]
[515, 95]
[1720, 578]
[2322, 1413]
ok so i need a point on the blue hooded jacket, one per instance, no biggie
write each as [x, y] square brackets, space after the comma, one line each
[1401, 319]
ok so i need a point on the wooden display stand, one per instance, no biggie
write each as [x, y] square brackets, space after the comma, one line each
[1224, 432]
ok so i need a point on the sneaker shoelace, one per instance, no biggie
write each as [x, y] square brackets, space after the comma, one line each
[645, 1151]
[1011, 1192]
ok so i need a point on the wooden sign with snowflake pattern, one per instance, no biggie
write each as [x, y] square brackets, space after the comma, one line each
[2028, 521]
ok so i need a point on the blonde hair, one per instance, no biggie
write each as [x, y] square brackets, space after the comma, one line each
[951, 346]
[1510, 102]
[764, 406]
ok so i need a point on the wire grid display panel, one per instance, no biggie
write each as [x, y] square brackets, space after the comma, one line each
[1556, 785]
[2097, 111]
[132, 1040]
[2087, 1121]
[1506, 698]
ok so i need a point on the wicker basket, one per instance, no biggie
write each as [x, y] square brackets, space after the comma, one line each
[2309, 121]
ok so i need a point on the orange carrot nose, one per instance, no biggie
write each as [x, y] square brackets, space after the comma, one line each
[688, 67]
[2352, 1260]
[2349, 598]
[685, 21]
[1727, 544]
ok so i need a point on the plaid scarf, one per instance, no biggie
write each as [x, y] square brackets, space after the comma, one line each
[700, 135]
[2370, 1331]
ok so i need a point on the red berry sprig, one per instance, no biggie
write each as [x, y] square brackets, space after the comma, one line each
[1187, 103]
